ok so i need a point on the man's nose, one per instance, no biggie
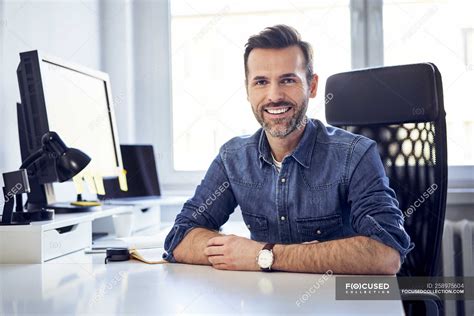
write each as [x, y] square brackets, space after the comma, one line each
[275, 93]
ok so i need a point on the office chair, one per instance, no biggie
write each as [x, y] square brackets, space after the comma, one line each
[401, 108]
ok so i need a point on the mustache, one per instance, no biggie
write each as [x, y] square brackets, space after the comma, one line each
[276, 104]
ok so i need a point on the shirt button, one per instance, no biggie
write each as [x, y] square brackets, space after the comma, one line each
[283, 218]
[248, 226]
[318, 232]
[283, 180]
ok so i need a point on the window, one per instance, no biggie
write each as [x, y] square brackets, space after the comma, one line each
[207, 46]
[442, 32]
[207, 42]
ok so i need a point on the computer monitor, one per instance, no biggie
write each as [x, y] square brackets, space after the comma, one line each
[75, 102]
[142, 174]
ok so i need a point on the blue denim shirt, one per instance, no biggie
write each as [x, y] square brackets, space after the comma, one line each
[332, 186]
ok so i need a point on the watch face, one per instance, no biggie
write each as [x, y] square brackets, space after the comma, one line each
[265, 259]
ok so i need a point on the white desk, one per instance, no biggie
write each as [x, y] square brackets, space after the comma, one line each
[147, 202]
[83, 284]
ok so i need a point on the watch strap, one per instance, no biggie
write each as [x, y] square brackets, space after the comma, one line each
[269, 247]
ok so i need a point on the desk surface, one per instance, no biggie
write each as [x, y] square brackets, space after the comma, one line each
[82, 284]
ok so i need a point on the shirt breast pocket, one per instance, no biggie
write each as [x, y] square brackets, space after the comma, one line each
[319, 228]
[258, 226]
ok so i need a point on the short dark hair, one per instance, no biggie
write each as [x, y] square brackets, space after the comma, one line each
[280, 36]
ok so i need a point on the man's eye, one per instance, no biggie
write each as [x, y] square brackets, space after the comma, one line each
[288, 80]
[260, 82]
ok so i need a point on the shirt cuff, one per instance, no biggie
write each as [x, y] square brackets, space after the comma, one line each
[397, 238]
[175, 236]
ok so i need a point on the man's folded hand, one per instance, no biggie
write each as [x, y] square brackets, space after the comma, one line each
[232, 252]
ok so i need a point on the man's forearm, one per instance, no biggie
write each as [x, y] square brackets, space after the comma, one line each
[191, 248]
[355, 255]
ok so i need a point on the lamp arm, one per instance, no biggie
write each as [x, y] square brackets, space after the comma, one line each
[31, 159]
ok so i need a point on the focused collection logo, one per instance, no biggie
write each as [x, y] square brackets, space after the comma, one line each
[367, 288]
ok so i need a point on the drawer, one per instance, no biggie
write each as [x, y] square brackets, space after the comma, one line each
[146, 218]
[42, 241]
[143, 218]
[63, 240]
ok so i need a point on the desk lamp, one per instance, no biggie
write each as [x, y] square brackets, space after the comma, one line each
[68, 163]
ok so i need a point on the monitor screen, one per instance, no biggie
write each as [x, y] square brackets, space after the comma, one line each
[77, 107]
[73, 101]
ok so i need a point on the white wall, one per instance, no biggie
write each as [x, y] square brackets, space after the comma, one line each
[2, 71]
[124, 38]
[151, 23]
[117, 58]
[66, 29]
[96, 34]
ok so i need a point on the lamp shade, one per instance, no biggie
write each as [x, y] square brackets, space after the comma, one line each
[70, 163]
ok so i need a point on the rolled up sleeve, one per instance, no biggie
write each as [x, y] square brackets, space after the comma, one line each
[374, 207]
[209, 208]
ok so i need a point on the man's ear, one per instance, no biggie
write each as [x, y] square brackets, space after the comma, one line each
[313, 86]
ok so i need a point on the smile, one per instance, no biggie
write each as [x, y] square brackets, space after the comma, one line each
[277, 110]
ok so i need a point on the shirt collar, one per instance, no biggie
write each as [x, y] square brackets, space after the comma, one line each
[264, 152]
[303, 152]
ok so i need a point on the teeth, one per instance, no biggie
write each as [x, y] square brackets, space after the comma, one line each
[277, 111]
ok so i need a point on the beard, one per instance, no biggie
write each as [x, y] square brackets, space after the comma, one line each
[282, 127]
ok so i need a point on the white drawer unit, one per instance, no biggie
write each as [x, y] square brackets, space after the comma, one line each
[144, 217]
[43, 241]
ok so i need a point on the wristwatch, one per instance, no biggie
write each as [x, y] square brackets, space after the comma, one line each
[265, 258]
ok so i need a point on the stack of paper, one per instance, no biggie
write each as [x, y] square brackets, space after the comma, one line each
[150, 256]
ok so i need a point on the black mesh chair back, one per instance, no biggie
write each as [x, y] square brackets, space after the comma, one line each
[401, 108]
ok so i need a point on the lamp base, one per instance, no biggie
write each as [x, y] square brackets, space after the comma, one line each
[25, 218]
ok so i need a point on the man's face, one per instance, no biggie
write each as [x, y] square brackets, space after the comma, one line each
[277, 88]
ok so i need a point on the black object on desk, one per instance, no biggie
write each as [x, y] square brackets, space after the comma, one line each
[67, 162]
[117, 254]
[142, 175]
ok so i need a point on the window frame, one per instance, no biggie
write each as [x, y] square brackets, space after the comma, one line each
[366, 53]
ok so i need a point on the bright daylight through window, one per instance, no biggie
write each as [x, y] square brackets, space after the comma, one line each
[207, 42]
[208, 37]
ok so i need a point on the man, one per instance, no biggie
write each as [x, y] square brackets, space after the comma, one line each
[314, 198]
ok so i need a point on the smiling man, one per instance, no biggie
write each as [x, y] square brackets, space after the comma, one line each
[314, 197]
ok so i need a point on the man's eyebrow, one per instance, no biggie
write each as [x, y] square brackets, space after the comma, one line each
[287, 75]
[256, 78]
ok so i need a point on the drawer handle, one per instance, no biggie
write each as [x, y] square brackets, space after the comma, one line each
[66, 229]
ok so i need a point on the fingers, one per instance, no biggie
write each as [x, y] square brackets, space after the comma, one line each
[214, 250]
[215, 255]
[217, 260]
[219, 251]
[221, 266]
[217, 241]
